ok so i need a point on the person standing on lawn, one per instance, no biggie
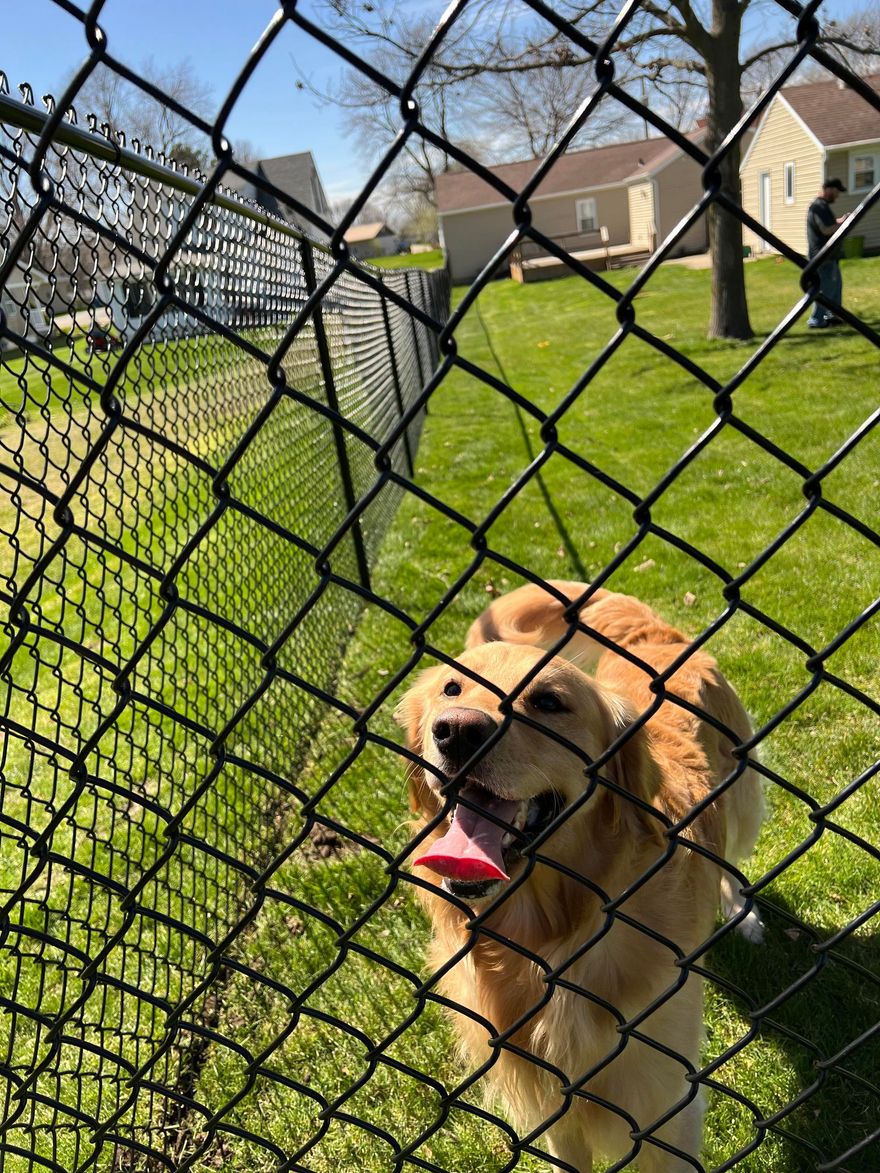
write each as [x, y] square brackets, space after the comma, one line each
[822, 223]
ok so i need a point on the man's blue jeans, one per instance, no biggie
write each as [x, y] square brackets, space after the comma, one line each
[831, 284]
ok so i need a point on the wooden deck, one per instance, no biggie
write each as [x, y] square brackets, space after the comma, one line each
[612, 256]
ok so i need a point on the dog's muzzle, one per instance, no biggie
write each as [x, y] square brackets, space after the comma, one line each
[487, 835]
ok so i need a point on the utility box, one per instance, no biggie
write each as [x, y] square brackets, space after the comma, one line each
[854, 246]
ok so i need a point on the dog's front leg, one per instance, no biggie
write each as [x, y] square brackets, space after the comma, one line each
[568, 1142]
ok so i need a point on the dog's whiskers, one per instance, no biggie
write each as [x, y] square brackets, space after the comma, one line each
[542, 774]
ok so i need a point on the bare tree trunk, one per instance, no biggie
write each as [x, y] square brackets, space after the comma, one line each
[730, 311]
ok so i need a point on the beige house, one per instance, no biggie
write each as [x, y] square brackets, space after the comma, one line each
[371, 240]
[606, 203]
[810, 133]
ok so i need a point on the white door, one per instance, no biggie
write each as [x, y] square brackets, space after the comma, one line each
[764, 205]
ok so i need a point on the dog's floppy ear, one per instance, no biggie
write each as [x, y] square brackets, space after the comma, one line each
[410, 715]
[632, 768]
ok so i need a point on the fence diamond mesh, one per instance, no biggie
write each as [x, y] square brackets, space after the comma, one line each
[209, 952]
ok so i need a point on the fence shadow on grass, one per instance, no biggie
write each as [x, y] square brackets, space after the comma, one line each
[565, 537]
[810, 1023]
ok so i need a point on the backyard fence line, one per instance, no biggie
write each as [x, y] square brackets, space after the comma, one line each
[211, 416]
[194, 393]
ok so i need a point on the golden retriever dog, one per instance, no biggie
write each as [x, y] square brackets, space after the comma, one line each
[567, 900]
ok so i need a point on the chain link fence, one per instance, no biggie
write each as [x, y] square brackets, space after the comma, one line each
[209, 957]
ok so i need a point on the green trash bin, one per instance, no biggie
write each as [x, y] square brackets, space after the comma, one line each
[854, 246]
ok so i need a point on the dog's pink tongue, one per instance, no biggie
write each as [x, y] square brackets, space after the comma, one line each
[471, 848]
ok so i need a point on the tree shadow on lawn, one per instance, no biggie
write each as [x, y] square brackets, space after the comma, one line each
[820, 1002]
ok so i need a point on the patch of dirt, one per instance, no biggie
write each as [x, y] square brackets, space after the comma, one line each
[323, 844]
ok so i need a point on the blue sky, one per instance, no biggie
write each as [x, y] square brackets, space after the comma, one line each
[42, 44]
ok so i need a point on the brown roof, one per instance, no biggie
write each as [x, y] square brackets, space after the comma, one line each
[835, 113]
[574, 171]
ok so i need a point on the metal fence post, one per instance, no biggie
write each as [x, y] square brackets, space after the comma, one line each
[429, 288]
[415, 333]
[333, 403]
[395, 379]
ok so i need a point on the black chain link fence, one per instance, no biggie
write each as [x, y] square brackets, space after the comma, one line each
[209, 423]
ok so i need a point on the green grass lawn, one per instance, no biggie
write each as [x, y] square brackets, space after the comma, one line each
[430, 260]
[145, 501]
[634, 421]
[336, 1023]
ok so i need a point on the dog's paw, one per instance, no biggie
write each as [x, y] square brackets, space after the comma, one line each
[732, 905]
[752, 928]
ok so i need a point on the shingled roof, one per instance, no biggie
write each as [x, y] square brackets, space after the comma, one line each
[834, 113]
[295, 175]
[573, 172]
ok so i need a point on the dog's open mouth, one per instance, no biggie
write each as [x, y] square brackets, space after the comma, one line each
[476, 854]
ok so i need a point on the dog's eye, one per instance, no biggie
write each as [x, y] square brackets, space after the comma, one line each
[451, 688]
[546, 702]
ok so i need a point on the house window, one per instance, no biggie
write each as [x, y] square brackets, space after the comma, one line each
[788, 182]
[863, 172]
[586, 215]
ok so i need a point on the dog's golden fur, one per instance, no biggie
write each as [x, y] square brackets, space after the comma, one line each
[606, 844]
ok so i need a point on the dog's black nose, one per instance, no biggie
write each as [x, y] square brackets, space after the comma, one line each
[459, 733]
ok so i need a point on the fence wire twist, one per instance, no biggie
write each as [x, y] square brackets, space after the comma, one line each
[192, 519]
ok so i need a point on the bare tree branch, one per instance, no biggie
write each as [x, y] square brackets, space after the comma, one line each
[503, 84]
[121, 104]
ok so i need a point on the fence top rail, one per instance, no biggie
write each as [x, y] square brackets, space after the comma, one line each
[29, 118]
